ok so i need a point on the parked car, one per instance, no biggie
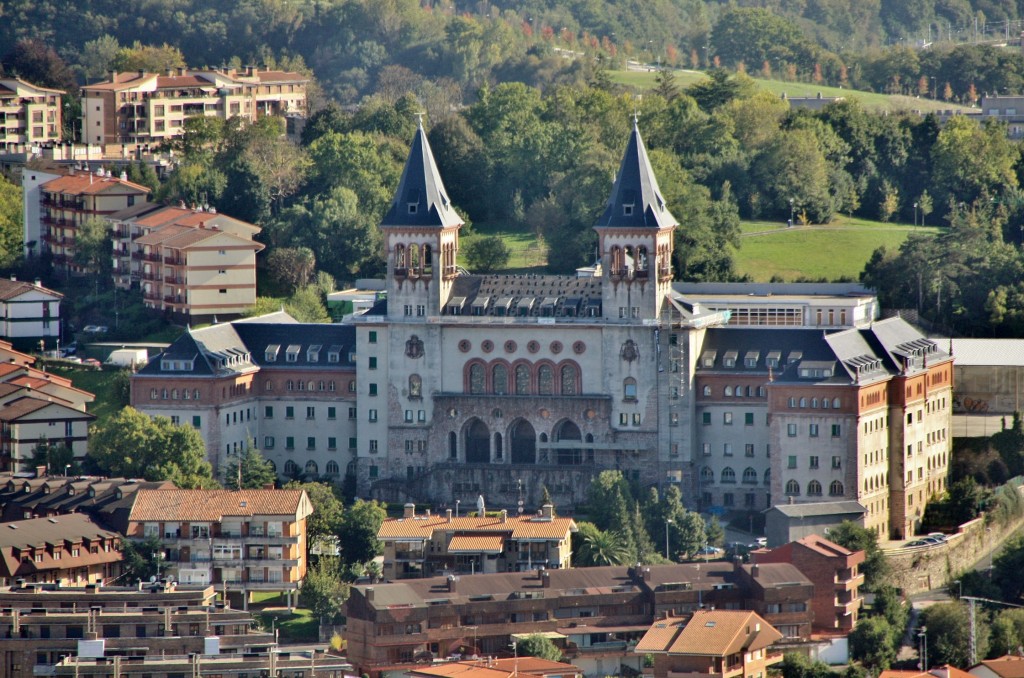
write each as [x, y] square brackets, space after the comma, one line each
[95, 329]
[938, 535]
[92, 362]
[709, 551]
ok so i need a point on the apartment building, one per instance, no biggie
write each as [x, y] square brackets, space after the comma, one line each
[491, 667]
[42, 626]
[302, 663]
[835, 573]
[289, 388]
[56, 206]
[147, 108]
[70, 550]
[240, 541]
[596, 615]
[29, 114]
[716, 643]
[29, 313]
[425, 545]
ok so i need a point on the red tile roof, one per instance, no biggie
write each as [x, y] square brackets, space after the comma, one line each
[89, 184]
[214, 505]
[716, 633]
[9, 289]
[519, 527]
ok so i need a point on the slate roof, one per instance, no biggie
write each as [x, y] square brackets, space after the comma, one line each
[241, 346]
[636, 200]
[820, 508]
[524, 295]
[420, 200]
[987, 352]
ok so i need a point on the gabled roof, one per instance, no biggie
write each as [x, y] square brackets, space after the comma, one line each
[716, 633]
[519, 527]
[420, 199]
[1008, 666]
[215, 505]
[89, 183]
[9, 289]
[636, 200]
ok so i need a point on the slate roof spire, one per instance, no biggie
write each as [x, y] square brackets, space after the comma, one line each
[636, 200]
[420, 199]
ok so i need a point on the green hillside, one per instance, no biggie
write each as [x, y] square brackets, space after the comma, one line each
[643, 80]
[837, 250]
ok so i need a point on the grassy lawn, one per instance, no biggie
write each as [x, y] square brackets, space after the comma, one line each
[871, 100]
[101, 383]
[298, 626]
[837, 250]
[528, 256]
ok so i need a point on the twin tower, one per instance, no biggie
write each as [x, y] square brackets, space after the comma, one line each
[635, 232]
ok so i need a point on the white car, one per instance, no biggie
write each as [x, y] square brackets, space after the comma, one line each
[95, 329]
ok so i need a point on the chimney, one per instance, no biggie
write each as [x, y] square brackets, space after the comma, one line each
[124, 176]
[645, 574]
[448, 515]
[755, 570]
[545, 579]
[409, 511]
[368, 592]
[37, 282]
[453, 583]
[547, 511]
[737, 564]
[268, 486]
[504, 516]
[41, 471]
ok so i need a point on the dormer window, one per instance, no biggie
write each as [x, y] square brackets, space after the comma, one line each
[729, 359]
[271, 353]
[292, 353]
[412, 200]
[707, 359]
[313, 353]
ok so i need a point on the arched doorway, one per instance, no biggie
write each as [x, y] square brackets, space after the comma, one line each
[523, 443]
[569, 432]
[477, 442]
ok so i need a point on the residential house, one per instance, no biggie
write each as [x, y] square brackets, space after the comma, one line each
[29, 114]
[426, 545]
[835, 573]
[29, 314]
[70, 550]
[1007, 666]
[140, 109]
[56, 206]
[595, 614]
[716, 643]
[240, 541]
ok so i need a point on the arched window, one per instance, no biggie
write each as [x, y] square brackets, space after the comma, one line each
[814, 489]
[728, 475]
[728, 391]
[814, 403]
[291, 468]
[414, 258]
[273, 466]
[476, 378]
[415, 386]
[793, 488]
[707, 475]
[453, 445]
[290, 385]
[629, 389]
[400, 256]
[707, 390]
[522, 380]
[761, 391]
[825, 403]
[332, 468]
[428, 264]
[739, 391]
[499, 379]
[803, 403]
[310, 386]
[569, 377]
[311, 468]
[195, 394]
[477, 442]
[750, 476]
[836, 403]
[545, 380]
[767, 476]
[322, 385]
[268, 385]
[499, 452]
[174, 394]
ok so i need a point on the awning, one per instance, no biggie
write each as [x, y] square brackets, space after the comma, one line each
[476, 543]
[550, 635]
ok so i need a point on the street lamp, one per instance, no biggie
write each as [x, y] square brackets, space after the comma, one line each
[792, 211]
[960, 588]
[66, 468]
[668, 521]
[923, 635]
[457, 502]
[915, 214]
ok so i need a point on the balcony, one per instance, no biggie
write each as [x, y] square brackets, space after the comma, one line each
[174, 280]
[174, 261]
[150, 256]
[150, 276]
[175, 301]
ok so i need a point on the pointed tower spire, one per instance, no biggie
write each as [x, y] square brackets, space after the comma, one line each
[420, 199]
[636, 200]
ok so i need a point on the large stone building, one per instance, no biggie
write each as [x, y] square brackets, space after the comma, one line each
[458, 384]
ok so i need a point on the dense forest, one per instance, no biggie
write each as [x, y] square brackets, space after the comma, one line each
[449, 48]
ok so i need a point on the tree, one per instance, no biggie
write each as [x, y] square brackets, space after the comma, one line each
[971, 160]
[949, 635]
[357, 535]
[487, 254]
[248, 470]
[39, 64]
[56, 457]
[307, 305]
[133, 445]
[856, 538]
[11, 232]
[149, 58]
[142, 559]
[323, 590]
[924, 203]
[720, 88]
[1007, 631]
[291, 267]
[602, 548]
[98, 56]
[890, 606]
[666, 86]
[871, 643]
[92, 247]
[715, 532]
[540, 646]
[1007, 566]
[323, 526]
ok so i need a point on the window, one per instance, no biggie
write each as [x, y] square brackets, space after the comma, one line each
[310, 413]
[629, 389]
[813, 430]
[749, 476]
[791, 430]
[836, 430]
[289, 443]
[727, 418]
[791, 461]
[373, 449]
[814, 462]
[373, 389]
[707, 449]
[748, 450]
[408, 416]
[372, 415]
[332, 444]
[268, 442]
[352, 443]
[268, 412]
[351, 413]
[373, 362]
[332, 412]
[311, 443]
[373, 336]
[792, 488]
[707, 390]
[289, 412]
[415, 386]
[814, 488]
[748, 419]
[835, 489]
[837, 462]
[706, 418]
[728, 475]
[727, 449]
[197, 422]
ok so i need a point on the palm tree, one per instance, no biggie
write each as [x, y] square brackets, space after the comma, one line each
[603, 548]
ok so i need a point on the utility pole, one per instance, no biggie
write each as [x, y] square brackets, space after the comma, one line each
[974, 628]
